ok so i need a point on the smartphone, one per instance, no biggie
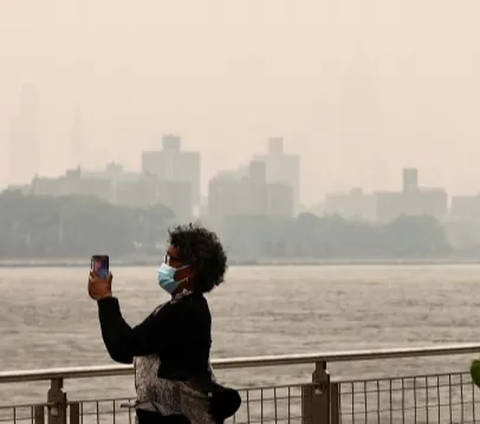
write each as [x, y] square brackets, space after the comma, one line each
[99, 264]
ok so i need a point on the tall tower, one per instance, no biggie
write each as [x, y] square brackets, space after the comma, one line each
[410, 180]
[275, 146]
[282, 168]
[173, 164]
[25, 137]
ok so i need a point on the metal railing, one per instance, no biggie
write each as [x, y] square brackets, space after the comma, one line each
[420, 398]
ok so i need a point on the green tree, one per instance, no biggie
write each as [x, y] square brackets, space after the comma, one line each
[414, 236]
[75, 226]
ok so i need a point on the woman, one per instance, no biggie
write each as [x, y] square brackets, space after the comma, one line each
[170, 349]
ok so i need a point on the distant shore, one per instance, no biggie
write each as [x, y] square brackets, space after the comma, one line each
[128, 262]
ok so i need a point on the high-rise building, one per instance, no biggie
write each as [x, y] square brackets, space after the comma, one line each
[282, 168]
[257, 173]
[254, 191]
[280, 200]
[412, 200]
[236, 194]
[223, 197]
[352, 205]
[25, 146]
[173, 164]
[410, 180]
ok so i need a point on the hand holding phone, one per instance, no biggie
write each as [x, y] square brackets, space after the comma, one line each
[100, 265]
[100, 281]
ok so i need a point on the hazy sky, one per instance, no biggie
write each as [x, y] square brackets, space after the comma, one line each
[359, 88]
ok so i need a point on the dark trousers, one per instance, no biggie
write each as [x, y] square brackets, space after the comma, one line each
[150, 417]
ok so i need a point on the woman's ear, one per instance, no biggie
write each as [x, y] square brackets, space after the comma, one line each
[191, 275]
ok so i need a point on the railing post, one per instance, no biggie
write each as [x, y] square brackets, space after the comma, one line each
[57, 399]
[316, 397]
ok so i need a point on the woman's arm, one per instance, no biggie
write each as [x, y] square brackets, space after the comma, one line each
[124, 342]
[113, 326]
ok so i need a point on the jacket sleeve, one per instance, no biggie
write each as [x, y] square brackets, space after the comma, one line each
[124, 342]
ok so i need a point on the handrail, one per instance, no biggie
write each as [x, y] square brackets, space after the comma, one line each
[246, 362]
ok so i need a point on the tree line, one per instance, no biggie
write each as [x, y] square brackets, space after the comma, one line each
[311, 237]
[76, 227]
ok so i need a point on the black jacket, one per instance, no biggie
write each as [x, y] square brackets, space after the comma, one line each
[179, 332]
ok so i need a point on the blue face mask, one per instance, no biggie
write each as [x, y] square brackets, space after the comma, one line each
[166, 278]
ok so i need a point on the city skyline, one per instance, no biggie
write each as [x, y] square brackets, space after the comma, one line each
[266, 185]
[79, 151]
[352, 92]
[76, 142]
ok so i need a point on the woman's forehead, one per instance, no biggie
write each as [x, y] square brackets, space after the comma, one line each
[173, 252]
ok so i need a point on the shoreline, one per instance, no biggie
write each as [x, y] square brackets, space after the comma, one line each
[82, 263]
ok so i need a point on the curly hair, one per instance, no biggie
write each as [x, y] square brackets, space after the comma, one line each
[203, 249]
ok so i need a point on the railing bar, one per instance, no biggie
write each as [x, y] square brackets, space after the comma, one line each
[248, 405]
[93, 413]
[130, 413]
[340, 414]
[369, 390]
[461, 399]
[261, 406]
[97, 409]
[14, 415]
[397, 409]
[412, 408]
[418, 376]
[439, 415]
[353, 403]
[426, 399]
[114, 413]
[403, 401]
[123, 398]
[275, 403]
[450, 397]
[415, 398]
[365, 397]
[299, 417]
[378, 402]
[249, 362]
[26, 405]
[289, 405]
[391, 401]
[85, 372]
[473, 403]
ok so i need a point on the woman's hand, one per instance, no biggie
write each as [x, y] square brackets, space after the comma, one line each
[99, 288]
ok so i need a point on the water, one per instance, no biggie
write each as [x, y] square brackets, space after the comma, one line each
[48, 320]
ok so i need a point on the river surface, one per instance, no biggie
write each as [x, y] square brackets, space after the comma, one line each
[47, 319]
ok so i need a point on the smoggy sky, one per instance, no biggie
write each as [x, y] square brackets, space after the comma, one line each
[359, 88]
